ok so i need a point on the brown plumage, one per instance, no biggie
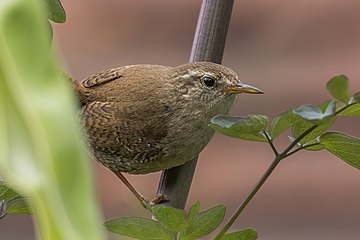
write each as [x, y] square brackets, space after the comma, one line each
[146, 118]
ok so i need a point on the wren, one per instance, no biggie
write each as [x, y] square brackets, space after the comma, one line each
[146, 118]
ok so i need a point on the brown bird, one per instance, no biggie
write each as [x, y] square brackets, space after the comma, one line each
[146, 118]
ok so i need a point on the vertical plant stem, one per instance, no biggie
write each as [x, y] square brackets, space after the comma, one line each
[208, 45]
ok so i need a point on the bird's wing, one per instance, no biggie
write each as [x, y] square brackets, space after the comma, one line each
[131, 130]
[103, 77]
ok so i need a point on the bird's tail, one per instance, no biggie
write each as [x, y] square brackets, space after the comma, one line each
[81, 98]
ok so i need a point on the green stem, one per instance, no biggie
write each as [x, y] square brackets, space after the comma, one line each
[270, 141]
[261, 182]
[301, 148]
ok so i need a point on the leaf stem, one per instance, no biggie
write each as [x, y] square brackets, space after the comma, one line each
[270, 141]
[261, 182]
[301, 148]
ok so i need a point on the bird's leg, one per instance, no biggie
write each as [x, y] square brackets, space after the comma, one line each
[144, 201]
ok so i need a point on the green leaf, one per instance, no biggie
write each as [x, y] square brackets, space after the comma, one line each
[18, 205]
[204, 223]
[314, 114]
[139, 228]
[247, 234]
[257, 137]
[171, 218]
[193, 211]
[11, 201]
[282, 122]
[6, 192]
[353, 110]
[240, 127]
[56, 11]
[356, 97]
[316, 147]
[338, 88]
[42, 149]
[303, 125]
[343, 146]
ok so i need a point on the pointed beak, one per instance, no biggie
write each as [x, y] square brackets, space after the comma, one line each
[243, 88]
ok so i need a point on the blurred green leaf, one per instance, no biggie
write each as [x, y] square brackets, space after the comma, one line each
[338, 88]
[204, 223]
[239, 126]
[56, 11]
[171, 218]
[315, 114]
[247, 234]
[139, 228]
[343, 146]
[282, 122]
[41, 149]
[301, 126]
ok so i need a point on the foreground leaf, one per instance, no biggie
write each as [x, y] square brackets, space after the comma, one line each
[338, 88]
[248, 234]
[139, 228]
[42, 151]
[204, 223]
[343, 146]
[239, 126]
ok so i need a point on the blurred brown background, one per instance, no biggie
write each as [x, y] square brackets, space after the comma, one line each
[289, 49]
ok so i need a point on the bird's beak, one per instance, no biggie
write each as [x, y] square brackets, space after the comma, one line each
[243, 88]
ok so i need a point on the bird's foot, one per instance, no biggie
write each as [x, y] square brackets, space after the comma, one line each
[157, 200]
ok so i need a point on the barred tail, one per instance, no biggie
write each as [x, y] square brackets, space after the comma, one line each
[80, 96]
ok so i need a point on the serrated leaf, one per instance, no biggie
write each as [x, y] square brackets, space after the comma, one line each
[204, 223]
[303, 125]
[314, 114]
[139, 228]
[247, 234]
[343, 146]
[172, 218]
[338, 88]
[237, 126]
[282, 122]
[56, 11]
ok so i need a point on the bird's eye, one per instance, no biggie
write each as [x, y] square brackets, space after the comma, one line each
[208, 81]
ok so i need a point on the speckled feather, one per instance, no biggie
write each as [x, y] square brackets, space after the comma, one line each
[146, 118]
